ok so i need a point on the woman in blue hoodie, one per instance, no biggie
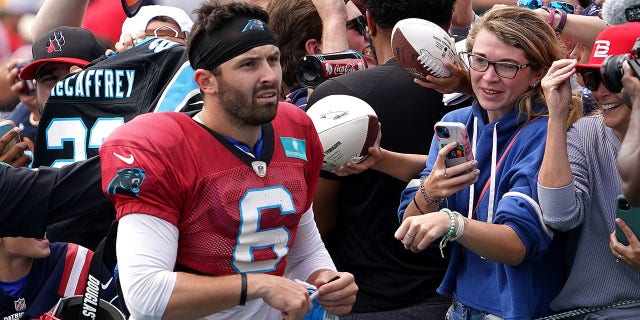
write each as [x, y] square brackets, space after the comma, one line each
[504, 261]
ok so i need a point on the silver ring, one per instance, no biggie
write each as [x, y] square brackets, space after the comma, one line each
[412, 235]
[445, 173]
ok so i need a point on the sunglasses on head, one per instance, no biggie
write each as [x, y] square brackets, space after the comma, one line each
[359, 23]
[560, 5]
[591, 78]
[166, 31]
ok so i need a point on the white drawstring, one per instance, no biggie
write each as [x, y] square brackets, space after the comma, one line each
[492, 182]
[473, 151]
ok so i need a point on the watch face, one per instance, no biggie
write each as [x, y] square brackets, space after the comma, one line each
[131, 7]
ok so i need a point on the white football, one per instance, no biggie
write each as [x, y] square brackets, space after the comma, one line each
[422, 47]
[347, 127]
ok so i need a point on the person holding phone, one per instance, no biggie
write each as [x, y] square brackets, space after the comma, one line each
[11, 148]
[629, 156]
[504, 260]
[579, 182]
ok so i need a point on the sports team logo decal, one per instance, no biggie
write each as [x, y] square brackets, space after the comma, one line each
[56, 41]
[254, 24]
[20, 304]
[334, 115]
[294, 148]
[260, 168]
[127, 181]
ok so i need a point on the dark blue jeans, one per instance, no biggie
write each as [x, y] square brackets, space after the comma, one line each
[434, 309]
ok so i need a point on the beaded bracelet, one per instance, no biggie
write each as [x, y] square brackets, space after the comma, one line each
[424, 193]
[452, 216]
[459, 227]
[446, 237]
[415, 203]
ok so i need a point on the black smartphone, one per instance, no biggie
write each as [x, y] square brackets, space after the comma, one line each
[630, 215]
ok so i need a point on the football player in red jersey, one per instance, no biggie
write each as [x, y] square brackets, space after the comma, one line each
[218, 205]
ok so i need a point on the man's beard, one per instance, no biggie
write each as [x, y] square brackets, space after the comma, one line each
[245, 109]
[373, 52]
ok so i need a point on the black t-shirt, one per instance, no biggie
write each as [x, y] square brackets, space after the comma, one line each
[388, 276]
[31, 199]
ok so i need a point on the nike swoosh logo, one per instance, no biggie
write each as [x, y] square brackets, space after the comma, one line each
[127, 160]
[106, 285]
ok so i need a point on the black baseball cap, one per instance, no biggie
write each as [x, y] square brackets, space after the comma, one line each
[76, 46]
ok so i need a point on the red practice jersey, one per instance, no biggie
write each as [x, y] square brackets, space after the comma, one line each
[234, 213]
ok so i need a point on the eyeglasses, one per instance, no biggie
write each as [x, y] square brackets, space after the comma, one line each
[561, 5]
[359, 23]
[166, 31]
[591, 78]
[503, 69]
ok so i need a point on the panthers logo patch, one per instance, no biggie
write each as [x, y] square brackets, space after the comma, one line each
[127, 181]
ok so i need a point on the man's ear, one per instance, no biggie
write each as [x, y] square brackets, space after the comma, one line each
[313, 46]
[206, 81]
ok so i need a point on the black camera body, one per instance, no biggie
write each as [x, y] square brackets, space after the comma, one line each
[612, 67]
[314, 69]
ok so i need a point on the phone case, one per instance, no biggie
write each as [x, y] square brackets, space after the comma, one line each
[447, 132]
[5, 126]
[630, 215]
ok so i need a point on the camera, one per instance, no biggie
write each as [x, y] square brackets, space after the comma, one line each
[27, 85]
[623, 204]
[612, 67]
[442, 132]
[312, 70]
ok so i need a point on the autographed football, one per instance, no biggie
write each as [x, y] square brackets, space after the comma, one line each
[422, 47]
[347, 127]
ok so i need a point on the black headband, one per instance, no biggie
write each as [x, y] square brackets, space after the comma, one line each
[239, 36]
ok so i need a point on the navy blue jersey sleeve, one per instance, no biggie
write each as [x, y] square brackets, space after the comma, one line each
[32, 199]
[78, 211]
[24, 197]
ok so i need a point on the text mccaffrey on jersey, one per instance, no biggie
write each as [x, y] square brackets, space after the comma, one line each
[96, 83]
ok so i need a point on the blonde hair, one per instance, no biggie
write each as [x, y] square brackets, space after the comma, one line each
[524, 29]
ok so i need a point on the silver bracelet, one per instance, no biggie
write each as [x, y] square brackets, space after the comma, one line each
[424, 193]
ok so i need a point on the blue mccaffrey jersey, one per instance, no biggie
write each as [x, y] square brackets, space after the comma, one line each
[84, 108]
[62, 274]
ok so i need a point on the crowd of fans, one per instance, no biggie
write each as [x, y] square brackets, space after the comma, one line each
[181, 128]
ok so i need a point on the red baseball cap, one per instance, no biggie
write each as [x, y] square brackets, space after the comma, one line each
[71, 45]
[614, 40]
